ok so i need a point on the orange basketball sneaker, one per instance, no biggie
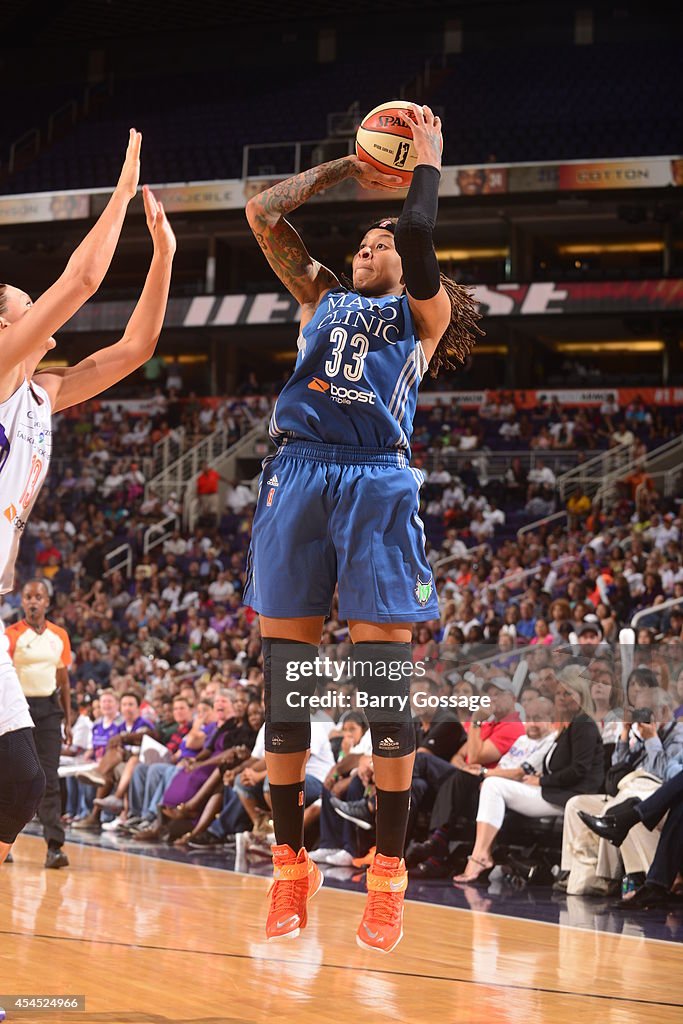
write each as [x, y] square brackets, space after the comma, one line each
[381, 927]
[296, 879]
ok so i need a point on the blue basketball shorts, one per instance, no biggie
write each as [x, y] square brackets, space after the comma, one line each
[328, 515]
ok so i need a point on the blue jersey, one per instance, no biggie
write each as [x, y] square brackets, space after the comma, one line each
[356, 375]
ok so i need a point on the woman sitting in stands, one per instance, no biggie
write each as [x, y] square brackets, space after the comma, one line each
[574, 763]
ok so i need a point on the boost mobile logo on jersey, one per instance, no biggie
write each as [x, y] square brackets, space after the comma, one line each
[344, 396]
[12, 517]
[423, 591]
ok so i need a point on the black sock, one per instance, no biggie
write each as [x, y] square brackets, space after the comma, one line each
[627, 813]
[288, 814]
[392, 821]
[439, 840]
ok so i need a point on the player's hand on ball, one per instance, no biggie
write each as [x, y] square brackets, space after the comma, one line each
[427, 138]
[369, 177]
[157, 222]
[130, 172]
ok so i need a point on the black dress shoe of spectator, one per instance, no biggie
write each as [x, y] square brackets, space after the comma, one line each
[419, 852]
[430, 868]
[435, 846]
[649, 895]
[615, 825]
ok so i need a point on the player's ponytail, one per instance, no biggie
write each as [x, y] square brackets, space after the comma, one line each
[3, 299]
[460, 336]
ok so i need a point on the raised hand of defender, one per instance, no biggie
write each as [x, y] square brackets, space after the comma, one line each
[130, 172]
[369, 177]
[157, 222]
[427, 138]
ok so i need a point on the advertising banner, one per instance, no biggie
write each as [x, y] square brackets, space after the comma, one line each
[540, 298]
[474, 180]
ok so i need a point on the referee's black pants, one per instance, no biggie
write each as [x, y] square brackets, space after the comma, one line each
[47, 715]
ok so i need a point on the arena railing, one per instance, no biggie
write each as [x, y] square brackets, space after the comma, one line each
[159, 532]
[511, 577]
[495, 462]
[670, 454]
[168, 449]
[665, 482]
[299, 155]
[466, 556]
[654, 609]
[518, 662]
[586, 473]
[124, 554]
[252, 445]
[185, 469]
[531, 527]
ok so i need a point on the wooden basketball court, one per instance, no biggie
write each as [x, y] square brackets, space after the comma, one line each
[153, 942]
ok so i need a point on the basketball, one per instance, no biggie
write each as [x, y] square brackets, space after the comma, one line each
[384, 139]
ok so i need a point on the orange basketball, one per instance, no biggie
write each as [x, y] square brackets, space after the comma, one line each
[385, 140]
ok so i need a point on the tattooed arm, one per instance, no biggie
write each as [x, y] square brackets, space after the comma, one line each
[305, 278]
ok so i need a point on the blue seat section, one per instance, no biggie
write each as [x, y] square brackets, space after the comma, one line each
[554, 102]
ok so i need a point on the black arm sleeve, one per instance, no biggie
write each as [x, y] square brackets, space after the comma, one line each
[413, 234]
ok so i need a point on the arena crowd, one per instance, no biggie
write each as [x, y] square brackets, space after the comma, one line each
[167, 680]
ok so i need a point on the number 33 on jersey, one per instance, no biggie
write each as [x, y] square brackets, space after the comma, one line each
[356, 376]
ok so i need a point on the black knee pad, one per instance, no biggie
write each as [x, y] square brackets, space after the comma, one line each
[383, 688]
[288, 717]
[392, 739]
[22, 782]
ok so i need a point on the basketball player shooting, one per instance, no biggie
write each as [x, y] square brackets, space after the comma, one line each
[27, 400]
[339, 502]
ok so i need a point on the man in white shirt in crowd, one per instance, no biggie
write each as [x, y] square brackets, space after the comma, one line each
[541, 474]
[175, 545]
[221, 588]
[509, 428]
[440, 475]
[665, 532]
[238, 497]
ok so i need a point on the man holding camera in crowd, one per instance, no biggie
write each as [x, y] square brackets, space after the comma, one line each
[648, 743]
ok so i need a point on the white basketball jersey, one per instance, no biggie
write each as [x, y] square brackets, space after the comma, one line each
[14, 710]
[25, 448]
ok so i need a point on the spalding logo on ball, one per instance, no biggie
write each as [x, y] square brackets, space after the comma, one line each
[385, 140]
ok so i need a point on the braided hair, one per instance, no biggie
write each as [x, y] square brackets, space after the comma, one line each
[457, 341]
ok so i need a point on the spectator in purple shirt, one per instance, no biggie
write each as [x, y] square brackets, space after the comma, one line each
[109, 725]
[149, 782]
[119, 757]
